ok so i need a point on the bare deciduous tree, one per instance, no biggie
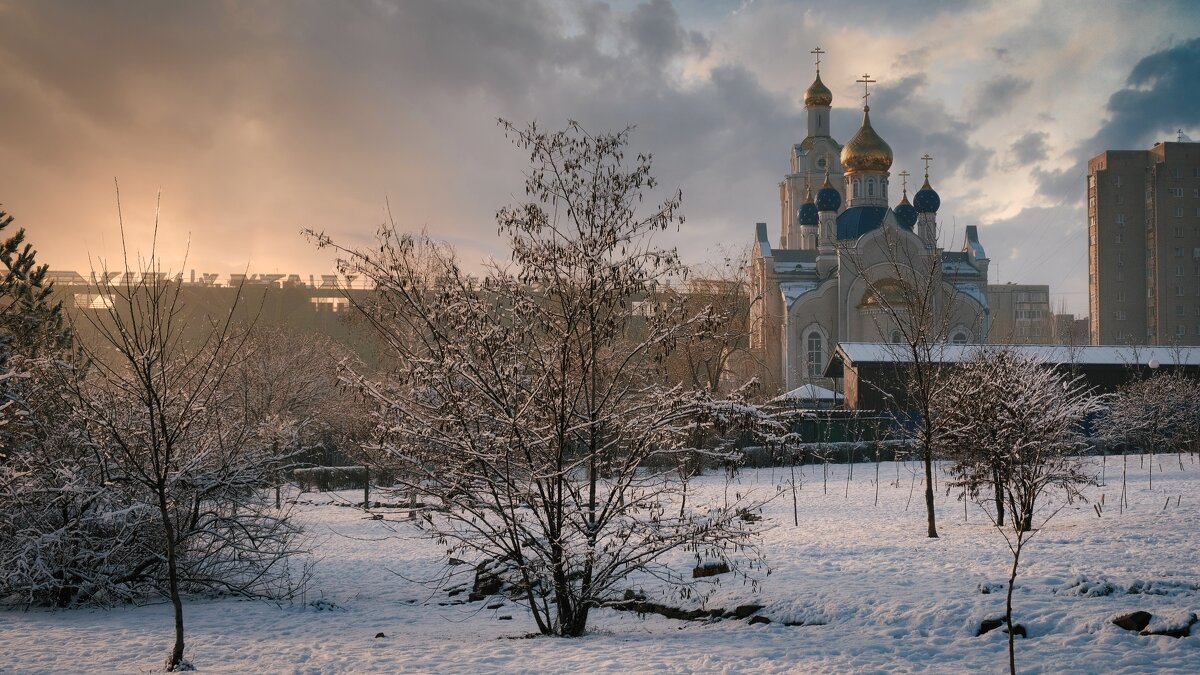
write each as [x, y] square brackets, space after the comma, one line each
[527, 406]
[913, 307]
[156, 410]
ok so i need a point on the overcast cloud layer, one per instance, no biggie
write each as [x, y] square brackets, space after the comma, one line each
[259, 119]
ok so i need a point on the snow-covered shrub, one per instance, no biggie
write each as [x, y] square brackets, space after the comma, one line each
[1018, 427]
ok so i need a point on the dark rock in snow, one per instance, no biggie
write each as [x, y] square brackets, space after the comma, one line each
[504, 617]
[1176, 632]
[988, 625]
[1019, 630]
[488, 581]
[495, 605]
[743, 611]
[379, 635]
[1135, 621]
[758, 618]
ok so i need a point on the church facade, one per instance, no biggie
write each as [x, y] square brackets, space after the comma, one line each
[846, 262]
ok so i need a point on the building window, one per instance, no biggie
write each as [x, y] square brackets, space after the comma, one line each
[816, 354]
[1120, 296]
[1180, 330]
[1179, 291]
[1120, 198]
[1116, 181]
[871, 187]
[857, 190]
[1178, 211]
[1176, 172]
[1179, 310]
[1120, 259]
[1178, 251]
[1176, 192]
[1179, 270]
[1120, 275]
[1120, 219]
[1119, 315]
[1179, 232]
[959, 338]
[1119, 238]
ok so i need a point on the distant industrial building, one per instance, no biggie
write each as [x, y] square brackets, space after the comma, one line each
[1144, 245]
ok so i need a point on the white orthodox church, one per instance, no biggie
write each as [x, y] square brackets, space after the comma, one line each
[844, 253]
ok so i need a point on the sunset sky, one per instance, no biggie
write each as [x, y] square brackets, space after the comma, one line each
[258, 119]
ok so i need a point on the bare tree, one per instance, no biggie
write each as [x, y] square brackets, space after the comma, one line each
[1029, 419]
[292, 379]
[158, 412]
[527, 406]
[721, 291]
[913, 308]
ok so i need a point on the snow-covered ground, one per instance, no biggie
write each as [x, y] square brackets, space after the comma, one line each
[888, 598]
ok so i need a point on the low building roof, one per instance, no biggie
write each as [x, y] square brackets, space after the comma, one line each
[856, 353]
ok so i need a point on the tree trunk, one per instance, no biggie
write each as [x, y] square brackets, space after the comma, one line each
[1012, 577]
[176, 658]
[929, 492]
[999, 488]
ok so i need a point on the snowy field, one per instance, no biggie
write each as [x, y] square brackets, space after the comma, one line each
[887, 598]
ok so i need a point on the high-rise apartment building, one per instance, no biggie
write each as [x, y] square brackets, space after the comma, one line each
[1144, 245]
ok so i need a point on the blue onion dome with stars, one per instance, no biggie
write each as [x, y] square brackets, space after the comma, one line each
[926, 200]
[808, 210]
[906, 215]
[828, 198]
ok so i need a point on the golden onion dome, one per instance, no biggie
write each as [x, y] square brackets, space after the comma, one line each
[866, 151]
[818, 94]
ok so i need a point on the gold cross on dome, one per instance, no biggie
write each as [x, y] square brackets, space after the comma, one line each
[818, 52]
[927, 159]
[904, 180]
[866, 83]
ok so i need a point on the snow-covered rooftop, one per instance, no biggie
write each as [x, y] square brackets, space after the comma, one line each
[809, 392]
[1120, 355]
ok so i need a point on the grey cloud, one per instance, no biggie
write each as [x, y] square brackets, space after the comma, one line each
[996, 95]
[913, 124]
[1030, 148]
[1160, 96]
[258, 120]
[655, 31]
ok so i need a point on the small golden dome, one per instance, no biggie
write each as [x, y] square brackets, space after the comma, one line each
[818, 94]
[866, 151]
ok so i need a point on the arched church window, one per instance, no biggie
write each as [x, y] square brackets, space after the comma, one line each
[897, 338]
[871, 187]
[959, 338]
[815, 354]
